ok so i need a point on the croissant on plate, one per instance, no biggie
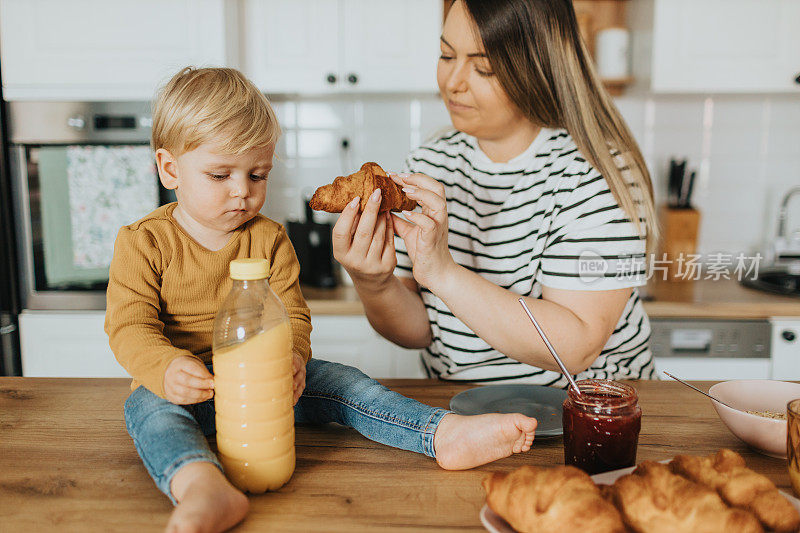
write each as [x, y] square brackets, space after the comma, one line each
[726, 473]
[653, 499]
[334, 197]
[563, 498]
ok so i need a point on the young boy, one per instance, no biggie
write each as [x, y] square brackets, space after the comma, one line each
[214, 135]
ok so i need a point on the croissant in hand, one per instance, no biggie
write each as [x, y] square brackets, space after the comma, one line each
[334, 197]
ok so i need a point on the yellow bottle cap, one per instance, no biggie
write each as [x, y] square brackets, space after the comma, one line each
[248, 269]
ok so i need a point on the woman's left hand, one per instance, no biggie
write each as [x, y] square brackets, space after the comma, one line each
[425, 232]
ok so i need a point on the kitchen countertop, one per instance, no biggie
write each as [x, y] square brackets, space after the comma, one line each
[723, 299]
[68, 464]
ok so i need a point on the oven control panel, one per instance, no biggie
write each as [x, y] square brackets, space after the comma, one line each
[711, 338]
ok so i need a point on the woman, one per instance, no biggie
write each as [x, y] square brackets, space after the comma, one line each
[541, 192]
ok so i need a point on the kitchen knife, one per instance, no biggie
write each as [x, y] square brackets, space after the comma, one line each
[671, 180]
[687, 199]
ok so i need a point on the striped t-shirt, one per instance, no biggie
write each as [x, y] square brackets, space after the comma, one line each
[546, 217]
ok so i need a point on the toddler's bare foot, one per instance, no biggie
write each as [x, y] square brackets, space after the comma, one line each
[207, 502]
[462, 442]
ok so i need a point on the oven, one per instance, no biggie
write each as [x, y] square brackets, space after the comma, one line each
[79, 171]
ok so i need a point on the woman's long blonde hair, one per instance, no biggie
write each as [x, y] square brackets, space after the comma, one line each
[535, 50]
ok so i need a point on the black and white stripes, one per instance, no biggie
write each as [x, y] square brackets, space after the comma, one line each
[536, 220]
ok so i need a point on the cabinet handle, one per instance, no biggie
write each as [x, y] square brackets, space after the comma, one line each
[788, 335]
[331, 78]
[352, 78]
[797, 79]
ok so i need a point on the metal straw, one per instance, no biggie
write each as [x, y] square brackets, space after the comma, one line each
[550, 347]
[701, 392]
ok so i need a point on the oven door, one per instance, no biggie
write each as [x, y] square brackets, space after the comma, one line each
[72, 200]
[79, 172]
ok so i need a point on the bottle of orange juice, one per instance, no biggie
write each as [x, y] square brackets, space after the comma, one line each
[252, 350]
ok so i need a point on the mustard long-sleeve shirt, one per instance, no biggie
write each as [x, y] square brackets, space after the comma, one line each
[164, 291]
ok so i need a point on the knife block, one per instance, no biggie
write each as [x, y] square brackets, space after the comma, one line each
[680, 228]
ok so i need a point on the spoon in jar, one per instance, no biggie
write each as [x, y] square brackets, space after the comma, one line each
[701, 392]
[550, 347]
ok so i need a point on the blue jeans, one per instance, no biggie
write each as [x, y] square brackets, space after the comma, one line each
[169, 436]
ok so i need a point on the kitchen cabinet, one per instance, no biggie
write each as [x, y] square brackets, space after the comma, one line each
[350, 340]
[786, 347]
[341, 46]
[66, 344]
[101, 50]
[724, 46]
[74, 344]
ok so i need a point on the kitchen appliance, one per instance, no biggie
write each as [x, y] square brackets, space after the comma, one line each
[10, 363]
[717, 349]
[312, 244]
[79, 171]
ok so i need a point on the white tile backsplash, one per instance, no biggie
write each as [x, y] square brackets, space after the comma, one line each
[434, 117]
[784, 111]
[322, 114]
[746, 149]
[318, 144]
[385, 113]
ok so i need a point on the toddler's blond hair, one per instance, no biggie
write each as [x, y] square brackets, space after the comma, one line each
[212, 104]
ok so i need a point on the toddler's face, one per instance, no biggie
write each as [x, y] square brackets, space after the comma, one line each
[222, 191]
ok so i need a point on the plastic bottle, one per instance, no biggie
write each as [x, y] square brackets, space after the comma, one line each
[252, 354]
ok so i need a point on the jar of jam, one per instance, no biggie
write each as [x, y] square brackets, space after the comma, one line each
[601, 426]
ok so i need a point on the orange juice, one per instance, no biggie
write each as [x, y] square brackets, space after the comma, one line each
[253, 385]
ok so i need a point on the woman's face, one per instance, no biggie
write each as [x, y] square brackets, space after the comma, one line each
[477, 103]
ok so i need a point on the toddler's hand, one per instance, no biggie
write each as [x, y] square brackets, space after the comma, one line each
[299, 371]
[188, 381]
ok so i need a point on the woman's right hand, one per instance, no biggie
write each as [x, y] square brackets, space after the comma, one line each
[364, 242]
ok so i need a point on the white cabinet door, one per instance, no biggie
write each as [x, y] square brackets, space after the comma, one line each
[726, 46]
[785, 348]
[391, 46]
[350, 340]
[66, 344]
[713, 368]
[291, 46]
[341, 46]
[107, 50]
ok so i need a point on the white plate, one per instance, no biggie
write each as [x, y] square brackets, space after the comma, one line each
[495, 524]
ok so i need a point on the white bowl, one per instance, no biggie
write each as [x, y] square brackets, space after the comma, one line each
[765, 435]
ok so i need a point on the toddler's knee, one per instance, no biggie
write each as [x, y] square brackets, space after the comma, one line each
[143, 408]
[343, 380]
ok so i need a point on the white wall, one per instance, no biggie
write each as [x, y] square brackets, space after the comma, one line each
[746, 150]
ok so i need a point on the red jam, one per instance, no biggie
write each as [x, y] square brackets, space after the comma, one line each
[601, 426]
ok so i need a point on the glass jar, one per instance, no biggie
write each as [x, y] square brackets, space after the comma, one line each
[601, 426]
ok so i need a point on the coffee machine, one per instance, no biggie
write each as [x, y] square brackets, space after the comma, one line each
[312, 243]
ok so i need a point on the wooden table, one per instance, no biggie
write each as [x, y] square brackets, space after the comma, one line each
[67, 464]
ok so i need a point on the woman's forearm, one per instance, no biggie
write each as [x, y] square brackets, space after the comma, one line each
[396, 312]
[502, 323]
